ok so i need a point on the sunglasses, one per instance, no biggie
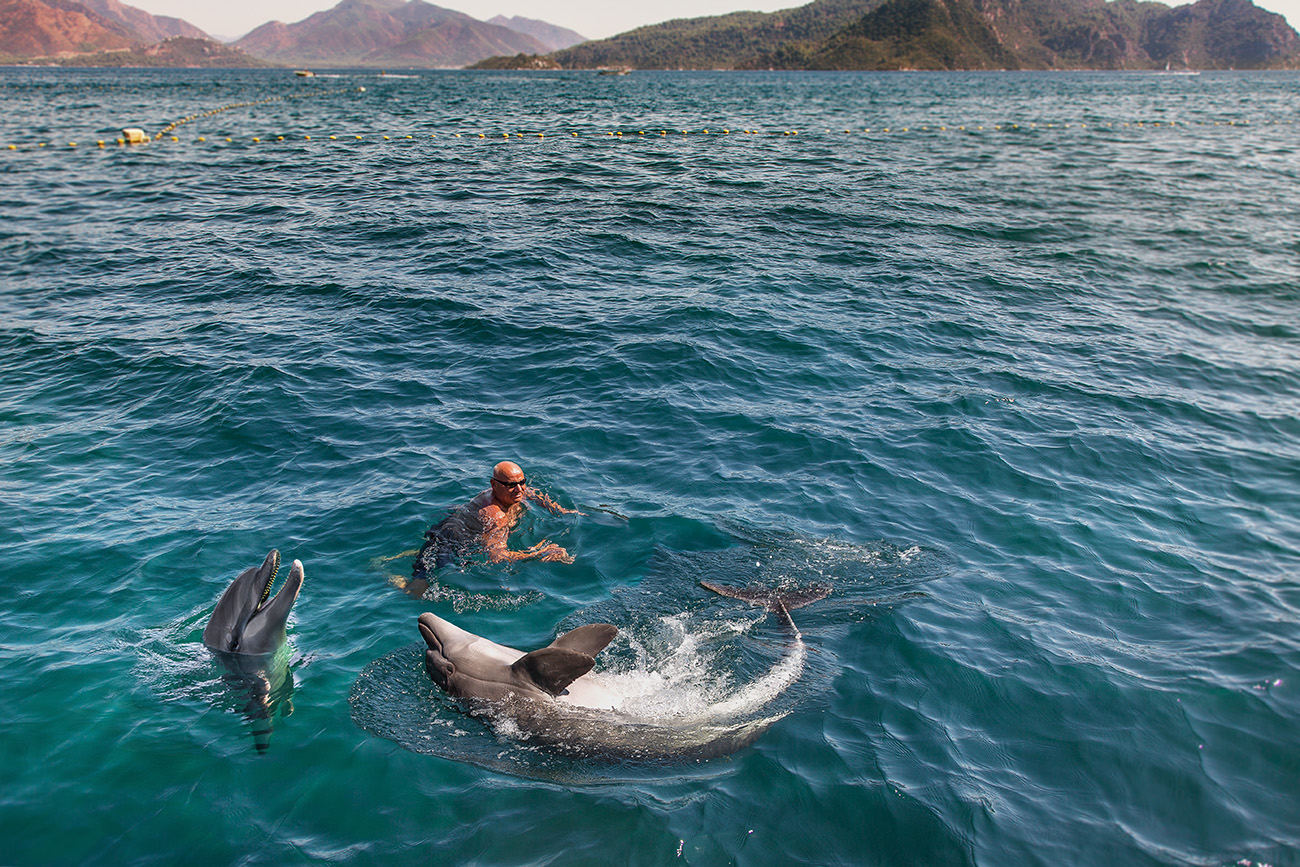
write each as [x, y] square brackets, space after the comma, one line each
[518, 484]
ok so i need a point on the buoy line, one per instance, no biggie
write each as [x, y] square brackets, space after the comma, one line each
[176, 124]
[167, 135]
[136, 135]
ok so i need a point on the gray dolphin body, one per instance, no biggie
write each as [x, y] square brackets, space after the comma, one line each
[553, 697]
[247, 634]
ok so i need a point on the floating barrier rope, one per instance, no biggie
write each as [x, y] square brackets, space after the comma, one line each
[136, 137]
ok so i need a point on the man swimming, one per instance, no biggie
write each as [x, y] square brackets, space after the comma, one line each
[488, 520]
[499, 508]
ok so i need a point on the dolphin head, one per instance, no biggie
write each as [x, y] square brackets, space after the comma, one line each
[466, 665]
[244, 621]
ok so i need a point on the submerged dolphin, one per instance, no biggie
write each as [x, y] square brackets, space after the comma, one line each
[552, 696]
[247, 634]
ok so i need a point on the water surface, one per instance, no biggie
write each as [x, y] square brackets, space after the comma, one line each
[1018, 378]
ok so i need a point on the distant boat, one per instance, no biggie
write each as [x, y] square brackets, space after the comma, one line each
[305, 73]
[621, 71]
[1183, 71]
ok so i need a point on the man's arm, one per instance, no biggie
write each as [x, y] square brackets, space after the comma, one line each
[550, 505]
[497, 535]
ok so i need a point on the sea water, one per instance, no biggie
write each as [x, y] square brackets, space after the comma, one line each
[1009, 361]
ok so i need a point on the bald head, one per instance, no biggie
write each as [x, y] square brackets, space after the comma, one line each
[507, 471]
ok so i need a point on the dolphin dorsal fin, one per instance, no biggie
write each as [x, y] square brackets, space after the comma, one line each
[552, 669]
[590, 639]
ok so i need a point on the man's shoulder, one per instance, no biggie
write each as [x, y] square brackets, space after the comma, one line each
[491, 514]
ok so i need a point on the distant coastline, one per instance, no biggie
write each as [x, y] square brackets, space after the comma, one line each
[875, 35]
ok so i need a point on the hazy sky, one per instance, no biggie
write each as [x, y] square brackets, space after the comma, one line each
[592, 18]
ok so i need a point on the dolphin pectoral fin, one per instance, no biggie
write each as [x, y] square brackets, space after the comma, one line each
[552, 669]
[590, 639]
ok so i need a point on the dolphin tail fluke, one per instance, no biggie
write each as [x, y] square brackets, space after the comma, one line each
[778, 602]
[769, 598]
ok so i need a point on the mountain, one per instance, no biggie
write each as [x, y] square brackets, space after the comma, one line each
[911, 34]
[178, 51]
[960, 34]
[717, 42]
[60, 28]
[32, 28]
[1053, 34]
[373, 33]
[150, 28]
[1214, 34]
[553, 37]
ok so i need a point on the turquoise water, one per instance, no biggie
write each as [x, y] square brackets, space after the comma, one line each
[1026, 397]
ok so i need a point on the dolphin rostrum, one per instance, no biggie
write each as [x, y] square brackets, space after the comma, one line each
[247, 633]
[553, 697]
[243, 621]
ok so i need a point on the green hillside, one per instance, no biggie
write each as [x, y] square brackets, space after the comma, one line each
[721, 42]
[959, 34]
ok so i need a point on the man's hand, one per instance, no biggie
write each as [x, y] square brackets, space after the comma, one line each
[550, 552]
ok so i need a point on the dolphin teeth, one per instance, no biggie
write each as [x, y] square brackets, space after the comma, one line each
[266, 591]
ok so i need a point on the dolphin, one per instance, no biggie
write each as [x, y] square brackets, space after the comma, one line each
[243, 621]
[247, 634]
[553, 697]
